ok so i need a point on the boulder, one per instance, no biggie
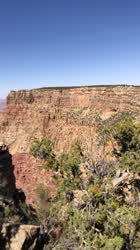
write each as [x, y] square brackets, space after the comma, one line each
[20, 237]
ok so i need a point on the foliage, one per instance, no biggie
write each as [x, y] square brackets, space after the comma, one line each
[106, 220]
[69, 163]
[42, 148]
[115, 243]
[127, 135]
[130, 161]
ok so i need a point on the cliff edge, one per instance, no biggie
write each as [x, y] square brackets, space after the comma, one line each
[64, 115]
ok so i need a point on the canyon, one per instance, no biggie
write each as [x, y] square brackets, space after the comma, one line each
[64, 115]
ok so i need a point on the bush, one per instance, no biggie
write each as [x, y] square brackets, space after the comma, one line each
[42, 148]
[130, 161]
[69, 163]
[116, 243]
[127, 135]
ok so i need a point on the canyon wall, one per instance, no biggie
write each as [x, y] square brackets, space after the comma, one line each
[65, 115]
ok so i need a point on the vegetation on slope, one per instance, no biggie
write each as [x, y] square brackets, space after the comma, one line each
[97, 203]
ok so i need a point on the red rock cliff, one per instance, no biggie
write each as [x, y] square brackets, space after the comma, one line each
[64, 115]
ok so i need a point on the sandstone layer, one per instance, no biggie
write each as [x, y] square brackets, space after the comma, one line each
[62, 114]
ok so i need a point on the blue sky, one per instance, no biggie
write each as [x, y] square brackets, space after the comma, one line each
[68, 42]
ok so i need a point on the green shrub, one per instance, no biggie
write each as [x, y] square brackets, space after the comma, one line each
[127, 135]
[116, 243]
[51, 163]
[130, 161]
[42, 148]
[69, 163]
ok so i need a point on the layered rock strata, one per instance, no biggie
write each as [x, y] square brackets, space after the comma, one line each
[65, 115]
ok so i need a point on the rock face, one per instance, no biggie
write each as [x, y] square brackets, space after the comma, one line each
[30, 175]
[64, 115]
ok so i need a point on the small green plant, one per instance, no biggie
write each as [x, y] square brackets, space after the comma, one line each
[130, 161]
[115, 243]
[69, 163]
[127, 135]
[42, 148]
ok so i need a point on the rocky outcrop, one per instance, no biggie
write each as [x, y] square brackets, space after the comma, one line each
[20, 237]
[118, 180]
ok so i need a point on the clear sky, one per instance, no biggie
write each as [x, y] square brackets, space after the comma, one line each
[68, 42]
